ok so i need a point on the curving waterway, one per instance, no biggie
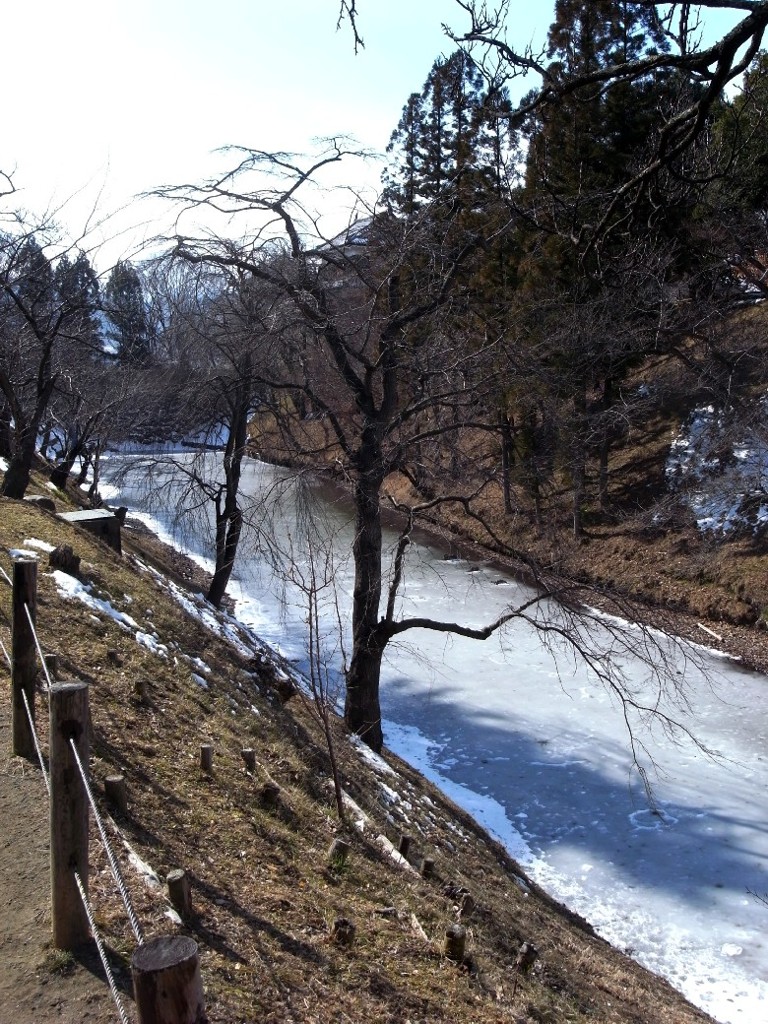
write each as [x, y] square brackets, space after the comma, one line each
[532, 743]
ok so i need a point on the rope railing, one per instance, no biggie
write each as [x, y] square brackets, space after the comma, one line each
[7, 578]
[124, 1018]
[137, 931]
[6, 655]
[37, 645]
[31, 720]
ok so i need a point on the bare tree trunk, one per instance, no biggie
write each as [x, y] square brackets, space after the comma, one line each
[605, 443]
[362, 710]
[60, 472]
[5, 430]
[228, 528]
[579, 468]
[229, 516]
[93, 490]
[507, 460]
[19, 470]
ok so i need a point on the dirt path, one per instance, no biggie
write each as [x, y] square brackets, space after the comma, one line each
[37, 984]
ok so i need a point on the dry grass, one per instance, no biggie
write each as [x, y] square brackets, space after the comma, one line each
[265, 897]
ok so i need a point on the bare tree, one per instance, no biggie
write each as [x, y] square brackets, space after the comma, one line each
[374, 367]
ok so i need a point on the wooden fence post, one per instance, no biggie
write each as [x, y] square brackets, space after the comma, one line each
[167, 983]
[24, 656]
[69, 813]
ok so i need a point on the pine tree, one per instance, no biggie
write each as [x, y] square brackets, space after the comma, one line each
[439, 145]
[78, 289]
[125, 305]
[741, 131]
[576, 237]
[589, 143]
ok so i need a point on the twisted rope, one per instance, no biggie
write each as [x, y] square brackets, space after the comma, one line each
[37, 645]
[7, 656]
[7, 577]
[37, 744]
[100, 946]
[110, 855]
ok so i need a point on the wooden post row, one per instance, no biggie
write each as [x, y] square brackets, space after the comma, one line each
[24, 656]
[69, 813]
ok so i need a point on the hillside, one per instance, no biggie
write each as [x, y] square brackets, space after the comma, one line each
[265, 896]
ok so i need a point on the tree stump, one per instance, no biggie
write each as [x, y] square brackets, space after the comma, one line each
[466, 905]
[455, 942]
[427, 868]
[270, 794]
[249, 758]
[206, 758]
[167, 983]
[404, 845]
[526, 957]
[65, 559]
[116, 793]
[180, 893]
[338, 852]
[343, 932]
[52, 666]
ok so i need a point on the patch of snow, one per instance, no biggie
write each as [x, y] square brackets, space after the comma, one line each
[374, 760]
[389, 795]
[22, 553]
[152, 643]
[199, 664]
[149, 875]
[72, 589]
[722, 479]
[202, 683]
[43, 545]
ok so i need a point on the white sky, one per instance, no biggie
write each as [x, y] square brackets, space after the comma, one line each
[110, 98]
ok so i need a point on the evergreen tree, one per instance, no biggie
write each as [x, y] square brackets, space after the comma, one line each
[78, 290]
[125, 305]
[742, 132]
[591, 142]
[439, 144]
[33, 280]
[578, 239]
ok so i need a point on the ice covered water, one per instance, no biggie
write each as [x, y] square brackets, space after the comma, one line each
[539, 752]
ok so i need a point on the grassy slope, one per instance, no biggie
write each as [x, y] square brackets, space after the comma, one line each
[264, 895]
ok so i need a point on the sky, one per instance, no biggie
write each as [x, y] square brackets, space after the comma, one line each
[107, 99]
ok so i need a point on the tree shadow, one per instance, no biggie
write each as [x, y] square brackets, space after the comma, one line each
[588, 805]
